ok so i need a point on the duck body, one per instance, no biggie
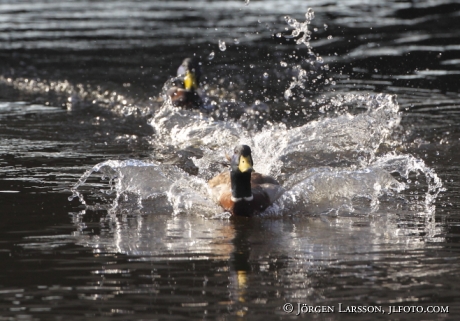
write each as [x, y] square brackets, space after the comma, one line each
[184, 91]
[241, 191]
[181, 97]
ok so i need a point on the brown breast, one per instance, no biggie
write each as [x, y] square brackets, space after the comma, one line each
[259, 203]
[184, 98]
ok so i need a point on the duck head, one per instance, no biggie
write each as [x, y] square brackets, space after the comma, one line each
[184, 93]
[190, 71]
[240, 173]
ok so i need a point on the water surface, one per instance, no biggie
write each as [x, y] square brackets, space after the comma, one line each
[359, 125]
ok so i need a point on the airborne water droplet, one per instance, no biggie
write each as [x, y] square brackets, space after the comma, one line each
[265, 75]
[211, 55]
[251, 66]
[310, 15]
[283, 64]
[246, 2]
[222, 46]
[287, 93]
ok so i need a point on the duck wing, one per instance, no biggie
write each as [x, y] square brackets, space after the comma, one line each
[219, 186]
[257, 178]
[263, 184]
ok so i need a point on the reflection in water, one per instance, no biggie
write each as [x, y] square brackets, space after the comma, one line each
[258, 257]
[161, 236]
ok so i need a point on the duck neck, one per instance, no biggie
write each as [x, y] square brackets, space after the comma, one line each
[241, 185]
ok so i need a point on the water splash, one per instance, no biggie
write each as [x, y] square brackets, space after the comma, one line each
[331, 165]
[211, 55]
[315, 62]
[142, 187]
[163, 188]
[326, 166]
[183, 128]
[301, 28]
[343, 140]
[335, 190]
[222, 46]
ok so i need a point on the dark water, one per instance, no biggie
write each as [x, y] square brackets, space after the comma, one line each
[80, 83]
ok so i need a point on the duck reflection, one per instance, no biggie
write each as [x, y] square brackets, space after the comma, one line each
[240, 267]
[254, 256]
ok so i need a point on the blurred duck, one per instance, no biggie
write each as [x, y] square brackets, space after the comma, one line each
[241, 191]
[184, 91]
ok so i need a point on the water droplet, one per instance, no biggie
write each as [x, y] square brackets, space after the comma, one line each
[287, 93]
[376, 70]
[236, 41]
[265, 75]
[246, 2]
[325, 26]
[211, 55]
[222, 45]
[329, 37]
[251, 66]
[278, 34]
[283, 64]
[290, 21]
[310, 15]
[257, 102]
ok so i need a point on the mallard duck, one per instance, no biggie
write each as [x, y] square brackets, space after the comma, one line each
[184, 92]
[241, 191]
